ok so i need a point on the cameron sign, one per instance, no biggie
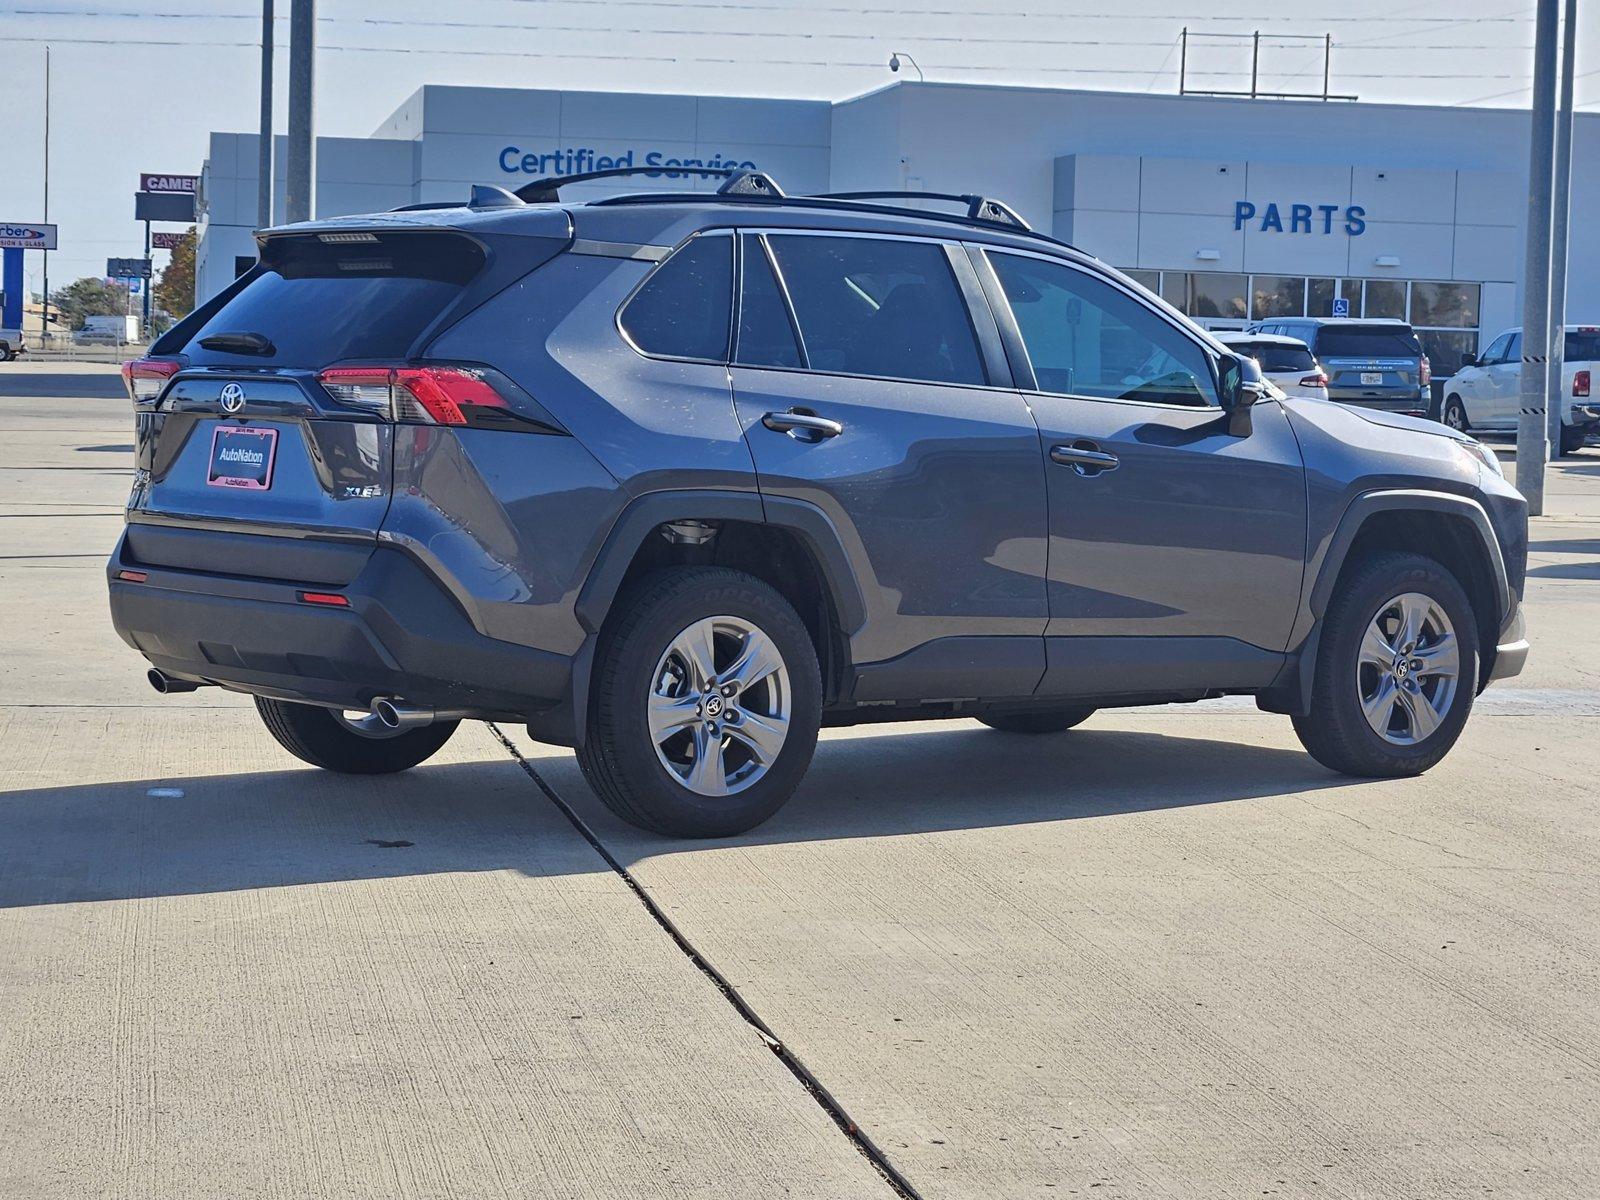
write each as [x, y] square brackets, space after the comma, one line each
[1300, 218]
[513, 160]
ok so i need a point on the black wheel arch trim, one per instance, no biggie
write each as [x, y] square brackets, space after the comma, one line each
[643, 514]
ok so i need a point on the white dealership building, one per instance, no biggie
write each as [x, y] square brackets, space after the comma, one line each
[1233, 209]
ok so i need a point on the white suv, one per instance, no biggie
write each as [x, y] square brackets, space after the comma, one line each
[1486, 394]
[1286, 361]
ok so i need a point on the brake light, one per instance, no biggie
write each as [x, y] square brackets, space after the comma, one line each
[132, 576]
[1580, 383]
[417, 395]
[1319, 380]
[145, 377]
[1427, 371]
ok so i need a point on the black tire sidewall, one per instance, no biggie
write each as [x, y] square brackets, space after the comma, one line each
[1038, 721]
[315, 735]
[1337, 697]
[657, 611]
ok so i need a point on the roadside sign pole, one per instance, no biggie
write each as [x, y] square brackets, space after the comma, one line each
[302, 165]
[44, 314]
[144, 328]
[264, 161]
[1558, 229]
[1532, 428]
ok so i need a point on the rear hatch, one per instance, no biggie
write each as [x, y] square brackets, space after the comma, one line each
[249, 461]
[1376, 364]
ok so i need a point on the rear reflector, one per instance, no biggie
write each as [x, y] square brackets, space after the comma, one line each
[132, 576]
[145, 377]
[331, 599]
[416, 395]
[1580, 383]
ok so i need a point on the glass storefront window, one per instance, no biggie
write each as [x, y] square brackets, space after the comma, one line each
[1445, 304]
[1214, 294]
[1175, 289]
[1150, 281]
[1277, 296]
[1350, 289]
[1444, 348]
[1319, 297]
[1386, 298]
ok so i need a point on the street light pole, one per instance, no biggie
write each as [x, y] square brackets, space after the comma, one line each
[302, 164]
[1532, 428]
[1558, 229]
[264, 162]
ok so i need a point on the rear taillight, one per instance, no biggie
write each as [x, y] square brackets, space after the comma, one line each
[1580, 383]
[416, 395]
[326, 599]
[1427, 371]
[1319, 380]
[145, 377]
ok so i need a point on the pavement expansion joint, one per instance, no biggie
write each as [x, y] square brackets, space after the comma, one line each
[814, 1088]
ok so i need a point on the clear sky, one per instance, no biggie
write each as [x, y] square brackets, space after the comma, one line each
[138, 84]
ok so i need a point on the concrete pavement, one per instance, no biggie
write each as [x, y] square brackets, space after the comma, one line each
[1163, 955]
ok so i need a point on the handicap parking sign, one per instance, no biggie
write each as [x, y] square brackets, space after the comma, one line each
[1341, 307]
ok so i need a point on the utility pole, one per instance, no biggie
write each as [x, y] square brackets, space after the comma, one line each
[264, 163]
[1532, 428]
[1558, 229]
[44, 323]
[302, 165]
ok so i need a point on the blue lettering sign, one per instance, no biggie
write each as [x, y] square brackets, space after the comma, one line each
[579, 160]
[1300, 218]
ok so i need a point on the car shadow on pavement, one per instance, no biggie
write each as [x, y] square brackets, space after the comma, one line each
[222, 833]
[947, 777]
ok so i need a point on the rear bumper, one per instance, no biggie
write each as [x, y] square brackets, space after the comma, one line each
[402, 635]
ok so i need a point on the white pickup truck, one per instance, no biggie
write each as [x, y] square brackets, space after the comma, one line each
[10, 344]
[1486, 393]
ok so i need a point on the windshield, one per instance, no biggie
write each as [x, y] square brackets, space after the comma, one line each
[316, 303]
[1368, 341]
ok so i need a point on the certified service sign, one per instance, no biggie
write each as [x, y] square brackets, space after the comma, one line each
[27, 235]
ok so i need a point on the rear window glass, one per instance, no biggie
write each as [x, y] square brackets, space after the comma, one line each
[317, 303]
[685, 308]
[1583, 347]
[1278, 357]
[1367, 341]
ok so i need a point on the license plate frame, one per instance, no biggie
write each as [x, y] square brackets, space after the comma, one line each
[228, 474]
[1372, 379]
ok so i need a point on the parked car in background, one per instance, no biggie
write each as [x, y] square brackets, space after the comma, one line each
[1370, 363]
[1286, 361]
[107, 330]
[10, 344]
[1486, 394]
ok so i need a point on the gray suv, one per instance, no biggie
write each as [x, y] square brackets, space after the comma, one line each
[1375, 363]
[676, 479]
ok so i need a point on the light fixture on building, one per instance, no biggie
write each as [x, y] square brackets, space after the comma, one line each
[1208, 255]
[1386, 260]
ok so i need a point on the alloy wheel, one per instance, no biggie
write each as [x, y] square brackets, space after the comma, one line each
[719, 706]
[1408, 669]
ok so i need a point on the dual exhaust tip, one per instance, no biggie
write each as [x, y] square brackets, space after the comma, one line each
[393, 714]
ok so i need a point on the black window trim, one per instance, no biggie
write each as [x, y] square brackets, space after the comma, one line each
[733, 306]
[744, 238]
[1028, 382]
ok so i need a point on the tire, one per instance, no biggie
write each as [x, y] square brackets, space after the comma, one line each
[1044, 720]
[6, 353]
[1336, 731]
[672, 787]
[317, 735]
[1455, 414]
[1572, 439]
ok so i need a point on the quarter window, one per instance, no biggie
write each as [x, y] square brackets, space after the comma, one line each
[685, 308]
[766, 339]
[884, 307]
[1087, 338]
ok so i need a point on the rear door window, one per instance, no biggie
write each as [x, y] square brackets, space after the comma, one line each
[685, 308]
[1087, 338]
[766, 337]
[318, 302]
[883, 307]
[1368, 341]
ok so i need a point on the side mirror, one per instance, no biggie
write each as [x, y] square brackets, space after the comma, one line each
[1241, 387]
[1468, 359]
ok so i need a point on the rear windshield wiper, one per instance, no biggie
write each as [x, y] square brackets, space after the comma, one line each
[239, 343]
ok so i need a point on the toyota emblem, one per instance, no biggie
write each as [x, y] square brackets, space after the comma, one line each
[232, 397]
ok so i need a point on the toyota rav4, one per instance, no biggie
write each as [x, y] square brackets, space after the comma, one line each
[676, 479]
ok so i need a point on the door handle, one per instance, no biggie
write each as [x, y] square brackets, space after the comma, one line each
[1085, 458]
[802, 425]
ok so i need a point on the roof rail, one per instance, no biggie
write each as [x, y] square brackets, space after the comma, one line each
[979, 208]
[548, 189]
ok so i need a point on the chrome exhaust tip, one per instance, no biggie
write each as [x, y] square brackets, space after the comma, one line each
[167, 685]
[396, 715]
